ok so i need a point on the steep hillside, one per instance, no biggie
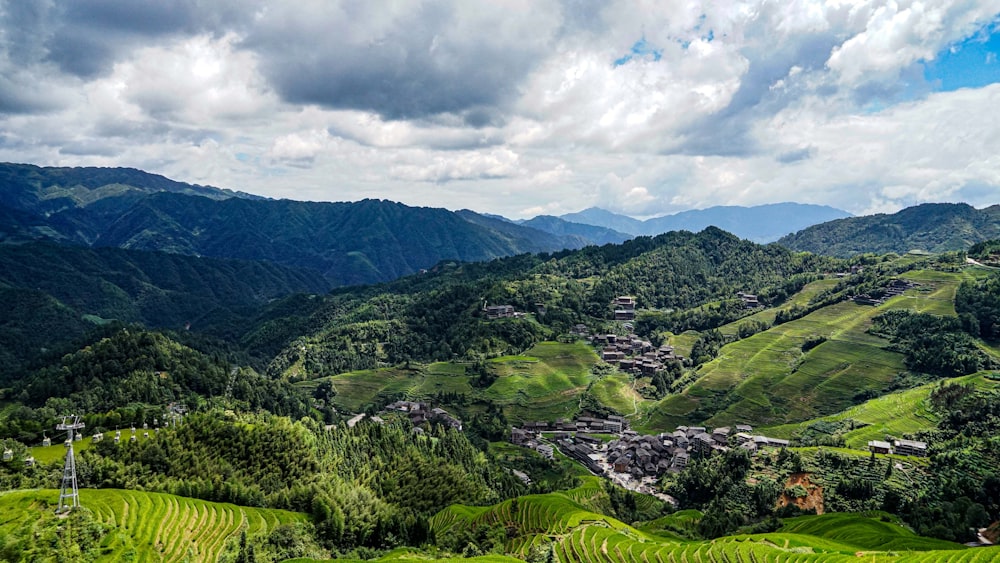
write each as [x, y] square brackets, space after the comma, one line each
[821, 361]
[350, 243]
[559, 523]
[931, 227]
[136, 525]
[46, 190]
[53, 294]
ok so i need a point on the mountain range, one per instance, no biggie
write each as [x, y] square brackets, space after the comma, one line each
[761, 223]
[930, 227]
[371, 241]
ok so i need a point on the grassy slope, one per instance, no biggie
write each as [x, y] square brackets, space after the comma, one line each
[580, 534]
[767, 379]
[544, 383]
[150, 526]
[896, 414]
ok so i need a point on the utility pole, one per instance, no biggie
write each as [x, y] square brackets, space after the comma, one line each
[69, 496]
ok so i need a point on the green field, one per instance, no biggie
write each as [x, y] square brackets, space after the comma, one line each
[767, 380]
[543, 384]
[616, 391]
[800, 299]
[578, 534]
[149, 526]
[897, 414]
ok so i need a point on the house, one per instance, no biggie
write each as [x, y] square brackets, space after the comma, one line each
[749, 300]
[744, 428]
[545, 450]
[499, 311]
[879, 447]
[8, 454]
[520, 437]
[624, 315]
[911, 447]
[702, 442]
[721, 435]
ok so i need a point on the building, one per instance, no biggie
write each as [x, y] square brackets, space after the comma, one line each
[911, 447]
[500, 311]
[879, 447]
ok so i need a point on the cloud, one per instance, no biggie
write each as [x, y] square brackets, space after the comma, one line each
[472, 165]
[512, 106]
[401, 60]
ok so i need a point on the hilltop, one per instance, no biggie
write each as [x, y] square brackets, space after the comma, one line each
[930, 227]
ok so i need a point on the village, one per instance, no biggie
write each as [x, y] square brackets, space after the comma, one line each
[630, 459]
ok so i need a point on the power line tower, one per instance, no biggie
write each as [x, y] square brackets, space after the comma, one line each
[69, 497]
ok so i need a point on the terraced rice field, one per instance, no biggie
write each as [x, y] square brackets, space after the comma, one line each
[579, 535]
[767, 380]
[543, 384]
[152, 526]
[616, 391]
[896, 414]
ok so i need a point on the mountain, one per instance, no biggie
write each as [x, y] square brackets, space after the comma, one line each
[932, 227]
[602, 218]
[350, 243]
[562, 227]
[51, 294]
[47, 190]
[529, 236]
[761, 223]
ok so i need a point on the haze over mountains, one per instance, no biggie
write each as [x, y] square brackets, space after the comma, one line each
[376, 240]
[761, 223]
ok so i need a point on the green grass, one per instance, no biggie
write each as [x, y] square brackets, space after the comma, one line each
[897, 414]
[767, 380]
[150, 526]
[616, 391]
[543, 384]
[800, 299]
[863, 533]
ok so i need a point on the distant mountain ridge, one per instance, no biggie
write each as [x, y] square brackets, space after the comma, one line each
[932, 227]
[350, 243]
[592, 233]
[761, 223]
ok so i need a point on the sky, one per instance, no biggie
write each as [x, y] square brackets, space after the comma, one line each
[519, 108]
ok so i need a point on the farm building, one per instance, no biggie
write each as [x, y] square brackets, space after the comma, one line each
[879, 447]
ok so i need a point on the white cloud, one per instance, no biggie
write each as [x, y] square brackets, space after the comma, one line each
[514, 107]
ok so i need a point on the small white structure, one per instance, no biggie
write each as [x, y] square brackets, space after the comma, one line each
[8, 454]
[29, 461]
[46, 442]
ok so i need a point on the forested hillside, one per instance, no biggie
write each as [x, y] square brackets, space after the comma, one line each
[931, 227]
[54, 294]
[349, 243]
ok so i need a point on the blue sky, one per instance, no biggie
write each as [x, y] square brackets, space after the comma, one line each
[970, 63]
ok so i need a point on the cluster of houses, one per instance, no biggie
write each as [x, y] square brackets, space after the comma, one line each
[899, 447]
[895, 287]
[637, 455]
[419, 413]
[613, 424]
[632, 354]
